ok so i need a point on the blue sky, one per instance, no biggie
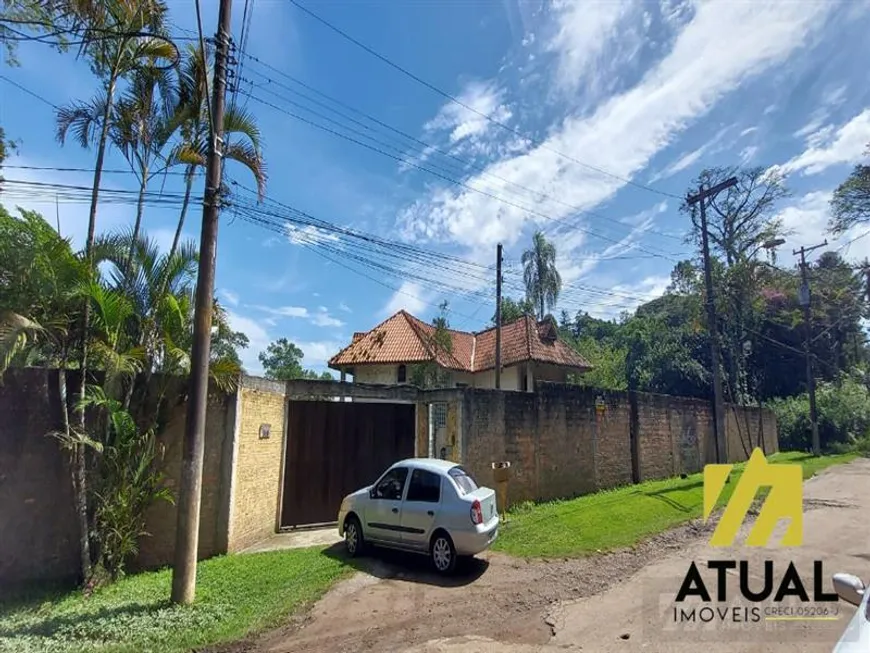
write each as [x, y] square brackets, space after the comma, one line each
[649, 92]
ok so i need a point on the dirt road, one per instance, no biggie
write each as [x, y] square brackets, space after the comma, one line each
[611, 602]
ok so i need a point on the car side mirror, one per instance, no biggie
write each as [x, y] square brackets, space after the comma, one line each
[850, 588]
[372, 493]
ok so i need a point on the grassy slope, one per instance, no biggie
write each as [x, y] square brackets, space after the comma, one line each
[241, 594]
[620, 517]
[236, 595]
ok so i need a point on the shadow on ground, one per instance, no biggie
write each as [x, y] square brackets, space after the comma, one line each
[413, 568]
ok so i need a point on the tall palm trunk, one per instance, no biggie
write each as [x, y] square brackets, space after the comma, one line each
[80, 460]
[187, 189]
[137, 226]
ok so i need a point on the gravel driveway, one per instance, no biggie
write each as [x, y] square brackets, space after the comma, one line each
[599, 603]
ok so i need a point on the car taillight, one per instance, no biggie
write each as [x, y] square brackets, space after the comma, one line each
[476, 513]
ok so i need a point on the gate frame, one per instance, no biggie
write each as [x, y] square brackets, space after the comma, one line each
[345, 394]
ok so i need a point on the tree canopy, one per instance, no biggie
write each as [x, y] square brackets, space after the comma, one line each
[282, 361]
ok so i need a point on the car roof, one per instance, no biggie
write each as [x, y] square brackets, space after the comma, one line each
[430, 464]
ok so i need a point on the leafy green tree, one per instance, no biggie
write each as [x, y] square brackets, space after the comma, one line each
[850, 204]
[513, 309]
[282, 361]
[542, 279]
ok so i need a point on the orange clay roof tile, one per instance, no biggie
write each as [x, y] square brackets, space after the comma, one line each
[403, 338]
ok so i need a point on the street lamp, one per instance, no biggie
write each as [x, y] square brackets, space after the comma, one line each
[770, 246]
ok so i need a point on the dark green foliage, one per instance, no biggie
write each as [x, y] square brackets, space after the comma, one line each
[512, 310]
[850, 204]
[844, 416]
[282, 361]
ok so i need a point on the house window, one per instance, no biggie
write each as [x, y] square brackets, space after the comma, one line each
[439, 415]
[525, 382]
[401, 374]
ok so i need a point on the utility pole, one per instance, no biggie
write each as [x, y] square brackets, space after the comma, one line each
[498, 258]
[805, 299]
[187, 529]
[718, 403]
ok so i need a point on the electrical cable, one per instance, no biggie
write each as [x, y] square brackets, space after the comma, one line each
[445, 177]
[427, 147]
[467, 107]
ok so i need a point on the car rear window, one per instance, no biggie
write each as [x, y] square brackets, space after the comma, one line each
[462, 479]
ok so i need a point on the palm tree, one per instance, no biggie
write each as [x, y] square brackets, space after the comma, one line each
[543, 283]
[111, 38]
[241, 134]
[142, 124]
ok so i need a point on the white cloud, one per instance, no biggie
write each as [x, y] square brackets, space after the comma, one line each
[724, 45]
[485, 98]
[580, 266]
[688, 159]
[583, 32]
[629, 296]
[318, 317]
[308, 235]
[282, 311]
[231, 298]
[748, 153]
[831, 146]
[748, 130]
[317, 352]
[344, 307]
[409, 296]
[831, 99]
[324, 319]
[258, 337]
[805, 221]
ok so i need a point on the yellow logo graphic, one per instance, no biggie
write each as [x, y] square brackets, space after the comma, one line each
[785, 500]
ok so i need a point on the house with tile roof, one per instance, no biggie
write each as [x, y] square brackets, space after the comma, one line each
[530, 351]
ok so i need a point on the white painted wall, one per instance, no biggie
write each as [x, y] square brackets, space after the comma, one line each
[383, 374]
[511, 377]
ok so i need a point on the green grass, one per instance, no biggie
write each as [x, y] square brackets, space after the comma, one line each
[620, 517]
[236, 595]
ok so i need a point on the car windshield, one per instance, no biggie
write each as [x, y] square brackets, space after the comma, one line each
[462, 479]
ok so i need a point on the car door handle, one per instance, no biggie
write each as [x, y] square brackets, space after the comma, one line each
[431, 513]
[396, 511]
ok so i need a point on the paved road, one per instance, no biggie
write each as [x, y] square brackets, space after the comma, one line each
[636, 614]
[617, 602]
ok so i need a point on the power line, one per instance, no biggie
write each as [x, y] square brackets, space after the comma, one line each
[111, 171]
[427, 147]
[442, 176]
[29, 92]
[467, 107]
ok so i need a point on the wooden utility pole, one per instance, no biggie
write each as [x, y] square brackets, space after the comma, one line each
[187, 529]
[498, 258]
[805, 298]
[718, 403]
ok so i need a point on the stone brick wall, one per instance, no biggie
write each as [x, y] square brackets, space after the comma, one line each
[156, 549]
[38, 533]
[259, 461]
[38, 529]
[564, 441]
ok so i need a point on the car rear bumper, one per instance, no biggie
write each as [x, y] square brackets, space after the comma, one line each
[469, 543]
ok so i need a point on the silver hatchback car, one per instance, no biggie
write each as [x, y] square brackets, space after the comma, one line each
[423, 505]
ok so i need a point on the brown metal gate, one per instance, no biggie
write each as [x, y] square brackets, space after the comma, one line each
[334, 448]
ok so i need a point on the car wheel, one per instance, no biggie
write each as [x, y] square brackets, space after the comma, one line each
[353, 537]
[443, 553]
